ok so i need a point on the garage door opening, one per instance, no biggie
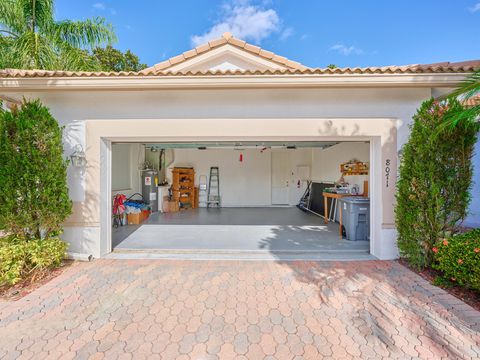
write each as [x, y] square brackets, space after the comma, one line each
[284, 199]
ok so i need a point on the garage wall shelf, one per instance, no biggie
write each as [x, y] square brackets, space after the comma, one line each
[354, 168]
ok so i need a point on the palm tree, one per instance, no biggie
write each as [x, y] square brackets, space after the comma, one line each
[30, 37]
[468, 92]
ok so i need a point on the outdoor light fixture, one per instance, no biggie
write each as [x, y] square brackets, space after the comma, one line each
[78, 157]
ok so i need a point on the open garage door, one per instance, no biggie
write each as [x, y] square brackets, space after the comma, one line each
[166, 187]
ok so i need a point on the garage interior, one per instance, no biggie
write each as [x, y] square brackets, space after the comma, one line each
[247, 197]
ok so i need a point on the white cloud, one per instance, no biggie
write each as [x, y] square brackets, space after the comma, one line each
[346, 50]
[244, 21]
[286, 33]
[99, 6]
[102, 7]
[475, 8]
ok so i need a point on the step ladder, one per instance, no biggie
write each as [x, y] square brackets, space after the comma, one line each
[213, 198]
[202, 191]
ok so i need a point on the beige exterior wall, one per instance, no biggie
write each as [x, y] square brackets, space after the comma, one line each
[90, 118]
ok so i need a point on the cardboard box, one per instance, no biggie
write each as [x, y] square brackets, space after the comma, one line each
[170, 206]
[134, 219]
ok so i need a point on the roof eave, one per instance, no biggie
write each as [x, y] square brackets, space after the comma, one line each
[14, 84]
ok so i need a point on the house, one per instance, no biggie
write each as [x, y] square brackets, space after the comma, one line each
[271, 125]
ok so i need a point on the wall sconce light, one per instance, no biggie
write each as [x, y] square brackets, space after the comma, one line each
[78, 157]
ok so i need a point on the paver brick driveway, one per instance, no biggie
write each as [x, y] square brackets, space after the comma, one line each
[246, 310]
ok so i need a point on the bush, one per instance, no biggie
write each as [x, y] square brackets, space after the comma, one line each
[33, 187]
[458, 258]
[20, 259]
[434, 181]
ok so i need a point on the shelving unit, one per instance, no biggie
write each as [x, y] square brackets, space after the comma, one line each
[354, 168]
[183, 186]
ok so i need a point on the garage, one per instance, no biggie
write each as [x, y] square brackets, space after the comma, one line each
[252, 199]
[264, 121]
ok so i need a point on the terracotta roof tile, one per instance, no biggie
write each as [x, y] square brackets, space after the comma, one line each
[217, 42]
[266, 54]
[227, 35]
[177, 59]
[190, 53]
[252, 48]
[280, 59]
[237, 42]
[227, 38]
[294, 68]
[472, 101]
[162, 65]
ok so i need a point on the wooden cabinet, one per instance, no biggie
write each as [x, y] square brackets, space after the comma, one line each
[183, 187]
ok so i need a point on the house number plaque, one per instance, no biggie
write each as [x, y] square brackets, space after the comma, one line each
[387, 172]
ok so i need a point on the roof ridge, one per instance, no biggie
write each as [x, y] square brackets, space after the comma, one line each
[226, 38]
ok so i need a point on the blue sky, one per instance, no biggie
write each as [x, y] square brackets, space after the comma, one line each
[314, 32]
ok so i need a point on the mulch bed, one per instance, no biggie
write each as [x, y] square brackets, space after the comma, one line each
[468, 296]
[26, 286]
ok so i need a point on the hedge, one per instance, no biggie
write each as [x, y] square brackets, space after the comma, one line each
[434, 181]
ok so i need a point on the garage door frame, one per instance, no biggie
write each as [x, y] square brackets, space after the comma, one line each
[375, 178]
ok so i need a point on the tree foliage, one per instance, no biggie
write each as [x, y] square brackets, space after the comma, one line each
[111, 59]
[34, 197]
[470, 115]
[434, 182]
[30, 38]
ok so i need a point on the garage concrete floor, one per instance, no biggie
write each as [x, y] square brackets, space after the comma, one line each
[285, 232]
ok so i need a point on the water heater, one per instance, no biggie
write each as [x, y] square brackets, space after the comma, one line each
[149, 188]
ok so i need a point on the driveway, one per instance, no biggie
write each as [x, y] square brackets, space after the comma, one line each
[246, 310]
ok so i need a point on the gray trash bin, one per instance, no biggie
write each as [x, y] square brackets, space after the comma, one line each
[356, 217]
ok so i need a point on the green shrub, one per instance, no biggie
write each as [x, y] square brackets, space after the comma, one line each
[34, 199]
[20, 258]
[434, 181]
[458, 257]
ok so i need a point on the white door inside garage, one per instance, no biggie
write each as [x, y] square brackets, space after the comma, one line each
[281, 177]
